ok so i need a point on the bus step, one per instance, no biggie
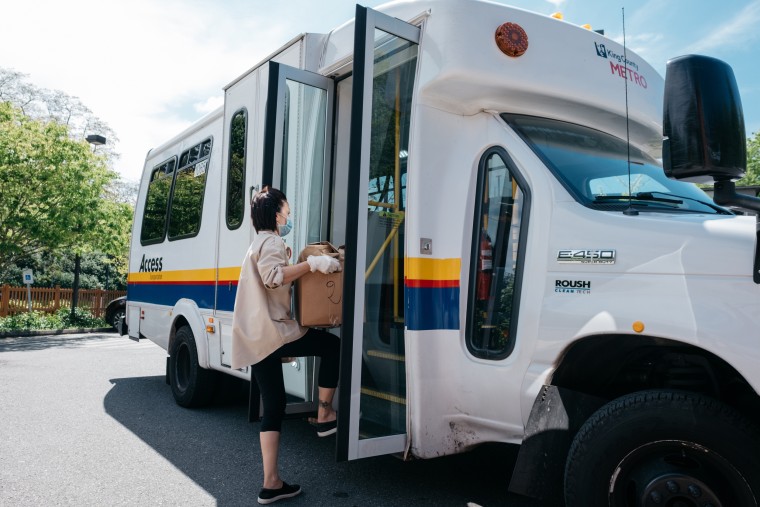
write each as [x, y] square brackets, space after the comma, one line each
[383, 413]
[394, 398]
[386, 355]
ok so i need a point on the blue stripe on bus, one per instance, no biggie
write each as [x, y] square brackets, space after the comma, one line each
[169, 294]
[226, 297]
[432, 308]
[427, 307]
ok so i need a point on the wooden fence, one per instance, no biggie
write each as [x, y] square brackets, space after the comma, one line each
[14, 300]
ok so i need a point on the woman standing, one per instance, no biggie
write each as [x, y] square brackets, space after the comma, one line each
[264, 331]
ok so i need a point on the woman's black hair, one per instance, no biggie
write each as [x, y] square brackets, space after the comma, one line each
[264, 208]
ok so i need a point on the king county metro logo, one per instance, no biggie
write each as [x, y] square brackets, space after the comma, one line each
[624, 67]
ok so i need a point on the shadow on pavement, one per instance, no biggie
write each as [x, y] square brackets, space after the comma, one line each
[25, 343]
[218, 449]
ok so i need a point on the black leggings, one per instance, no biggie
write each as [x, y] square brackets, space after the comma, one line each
[268, 372]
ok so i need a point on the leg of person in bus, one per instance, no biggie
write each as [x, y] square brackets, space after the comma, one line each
[326, 346]
[326, 413]
[270, 452]
[268, 373]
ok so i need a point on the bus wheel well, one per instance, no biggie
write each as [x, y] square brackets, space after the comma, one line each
[595, 370]
[611, 366]
[181, 321]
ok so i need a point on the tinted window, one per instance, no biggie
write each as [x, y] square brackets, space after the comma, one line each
[594, 167]
[187, 196]
[156, 202]
[498, 219]
[236, 171]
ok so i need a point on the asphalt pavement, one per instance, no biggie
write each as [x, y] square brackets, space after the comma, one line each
[88, 420]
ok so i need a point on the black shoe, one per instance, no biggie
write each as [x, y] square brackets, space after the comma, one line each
[327, 428]
[272, 495]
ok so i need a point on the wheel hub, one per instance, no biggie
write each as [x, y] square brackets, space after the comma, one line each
[676, 473]
[676, 490]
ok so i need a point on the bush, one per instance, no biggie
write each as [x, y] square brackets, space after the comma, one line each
[82, 318]
[59, 320]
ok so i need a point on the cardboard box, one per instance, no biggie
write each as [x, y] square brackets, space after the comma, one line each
[319, 297]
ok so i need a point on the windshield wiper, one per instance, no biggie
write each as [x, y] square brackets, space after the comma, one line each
[671, 199]
[719, 209]
[639, 196]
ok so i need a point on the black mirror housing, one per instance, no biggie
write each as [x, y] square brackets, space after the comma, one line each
[703, 121]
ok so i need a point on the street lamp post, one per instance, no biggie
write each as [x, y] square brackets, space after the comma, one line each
[95, 140]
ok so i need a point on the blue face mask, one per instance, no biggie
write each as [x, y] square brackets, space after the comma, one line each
[284, 230]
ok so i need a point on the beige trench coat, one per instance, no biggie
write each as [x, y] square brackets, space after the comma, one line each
[262, 321]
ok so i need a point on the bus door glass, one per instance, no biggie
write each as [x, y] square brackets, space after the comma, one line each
[372, 405]
[296, 154]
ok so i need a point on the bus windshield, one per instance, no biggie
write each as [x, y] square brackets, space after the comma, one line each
[593, 167]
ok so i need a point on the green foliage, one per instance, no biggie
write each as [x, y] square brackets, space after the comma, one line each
[33, 320]
[82, 318]
[54, 193]
[236, 177]
[187, 203]
[156, 208]
[59, 320]
[753, 162]
[391, 116]
[98, 271]
[56, 106]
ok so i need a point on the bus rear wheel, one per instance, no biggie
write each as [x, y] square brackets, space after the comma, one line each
[664, 448]
[192, 386]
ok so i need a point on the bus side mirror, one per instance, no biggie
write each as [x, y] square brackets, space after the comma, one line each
[703, 121]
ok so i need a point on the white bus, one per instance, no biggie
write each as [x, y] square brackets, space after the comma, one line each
[518, 266]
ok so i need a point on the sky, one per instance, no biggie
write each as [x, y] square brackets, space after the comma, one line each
[150, 68]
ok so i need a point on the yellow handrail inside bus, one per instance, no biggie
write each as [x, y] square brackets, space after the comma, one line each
[395, 206]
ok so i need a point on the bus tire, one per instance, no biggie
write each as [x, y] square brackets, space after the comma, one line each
[192, 386]
[664, 448]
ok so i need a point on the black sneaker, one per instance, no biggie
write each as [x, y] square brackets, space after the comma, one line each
[327, 428]
[272, 495]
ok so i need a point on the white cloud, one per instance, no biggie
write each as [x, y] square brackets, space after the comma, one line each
[143, 66]
[210, 104]
[738, 31]
[642, 44]
[150, 68]
[557, 3]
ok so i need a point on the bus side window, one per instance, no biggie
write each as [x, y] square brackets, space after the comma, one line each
[236, 170]
[490, 322]
[187, 195]
[153, 227]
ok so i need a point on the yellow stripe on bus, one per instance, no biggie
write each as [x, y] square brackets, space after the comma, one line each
[417, 268]
[180, 275]
[227, 274]
[186, 275]
[420, 268]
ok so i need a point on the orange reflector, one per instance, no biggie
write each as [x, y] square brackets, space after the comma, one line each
[586, 26]
[210, 329]
[557, 15]
[512, 39]
[211, 320]
[638, 326]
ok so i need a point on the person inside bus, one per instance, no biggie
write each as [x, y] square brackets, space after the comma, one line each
[264, 332]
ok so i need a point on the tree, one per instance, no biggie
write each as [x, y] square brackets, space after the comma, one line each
[110, 235]
[753, 161]
[98, 271]
[53, 194]
[55, 105]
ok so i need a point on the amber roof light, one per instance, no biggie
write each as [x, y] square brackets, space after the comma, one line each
[512, 39]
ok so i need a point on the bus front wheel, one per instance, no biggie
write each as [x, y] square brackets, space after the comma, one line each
[192, 386]
[656, 448]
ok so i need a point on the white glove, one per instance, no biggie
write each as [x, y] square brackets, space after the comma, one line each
[323, 263]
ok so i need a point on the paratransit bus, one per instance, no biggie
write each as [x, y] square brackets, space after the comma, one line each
[527, 261]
